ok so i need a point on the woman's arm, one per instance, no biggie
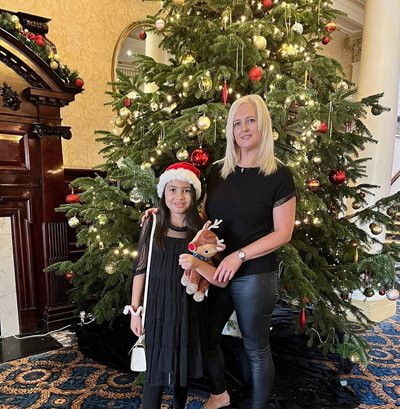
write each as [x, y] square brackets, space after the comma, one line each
[284, 218]
[206, 270]
[136, 302]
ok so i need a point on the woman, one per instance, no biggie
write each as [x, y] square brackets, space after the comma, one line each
[254, 195]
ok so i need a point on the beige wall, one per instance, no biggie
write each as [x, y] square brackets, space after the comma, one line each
[85, 33]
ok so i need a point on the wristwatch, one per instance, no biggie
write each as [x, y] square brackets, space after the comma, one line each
[242, 255]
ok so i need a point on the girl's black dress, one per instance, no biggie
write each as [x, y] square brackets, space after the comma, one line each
[175, 323]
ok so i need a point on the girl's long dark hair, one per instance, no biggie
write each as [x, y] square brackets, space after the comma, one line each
[193, 221]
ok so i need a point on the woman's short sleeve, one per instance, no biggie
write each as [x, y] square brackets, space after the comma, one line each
[285, 188]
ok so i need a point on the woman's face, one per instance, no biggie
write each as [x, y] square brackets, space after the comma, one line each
[245, 127]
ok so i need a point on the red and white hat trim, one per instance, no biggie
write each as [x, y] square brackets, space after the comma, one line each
[184, 171]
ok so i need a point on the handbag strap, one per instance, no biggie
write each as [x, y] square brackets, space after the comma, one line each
[146, 283]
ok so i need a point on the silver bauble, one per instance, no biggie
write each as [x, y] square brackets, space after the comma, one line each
[298, 28]
[135, 196]
[159, 24]
[73, 222]
[392, 294]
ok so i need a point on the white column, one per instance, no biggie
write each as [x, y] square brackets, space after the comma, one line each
[379, 72]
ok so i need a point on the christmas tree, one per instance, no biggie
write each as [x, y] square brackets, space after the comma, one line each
[220, 51]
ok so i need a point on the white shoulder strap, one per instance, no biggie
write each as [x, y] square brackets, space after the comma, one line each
[146, 284]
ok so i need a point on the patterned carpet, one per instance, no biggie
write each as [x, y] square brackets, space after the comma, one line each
[65, 379]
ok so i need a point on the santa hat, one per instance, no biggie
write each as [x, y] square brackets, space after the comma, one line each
[180, 171]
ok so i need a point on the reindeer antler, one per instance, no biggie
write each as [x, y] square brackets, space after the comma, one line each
[215, 225]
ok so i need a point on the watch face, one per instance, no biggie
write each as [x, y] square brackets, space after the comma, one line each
[242, 255]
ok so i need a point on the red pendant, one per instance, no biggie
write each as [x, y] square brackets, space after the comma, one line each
[302, 320]
[225, 93]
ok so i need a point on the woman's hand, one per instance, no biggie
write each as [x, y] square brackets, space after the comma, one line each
[136, 325]
[188, 262]
[227, 268]
[147, 213]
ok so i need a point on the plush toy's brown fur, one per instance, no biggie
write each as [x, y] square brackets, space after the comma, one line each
[205, 244]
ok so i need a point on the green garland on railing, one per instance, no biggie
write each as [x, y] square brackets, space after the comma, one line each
[38, 44]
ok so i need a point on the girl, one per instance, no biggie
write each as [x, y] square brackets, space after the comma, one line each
[175, 323]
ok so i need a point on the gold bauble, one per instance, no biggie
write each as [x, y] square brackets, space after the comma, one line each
[205, 83]
[316, 221]
[182, 154]
[124, 113]
[260, 42]
[187, 59]
[14, 19]
[120, 122]
[356, 205]
[376, 228]
[203, 123]
[355, 359]
[110, 268]
[317, 160]
[275, 135]
[56, 57]
[53, 65]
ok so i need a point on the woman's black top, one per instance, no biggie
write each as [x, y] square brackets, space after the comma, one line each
[245, 201]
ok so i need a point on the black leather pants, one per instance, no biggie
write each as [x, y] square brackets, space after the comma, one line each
[253, 297]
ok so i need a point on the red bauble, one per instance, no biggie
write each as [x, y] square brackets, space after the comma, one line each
[302, 320]
[142, 35]
[313, 184]
[323, 127]
[325, 40]
[79, 82]
[382, 292]
[39, 40]
[256, 74]
[200, 157]
[337, 176]
[361, 194]
[225, 93]
[69, 276]
[127, 102]
[72, 198]
[267, 4]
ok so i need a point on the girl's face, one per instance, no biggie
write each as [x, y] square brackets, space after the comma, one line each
[245, 127]
[178, 196]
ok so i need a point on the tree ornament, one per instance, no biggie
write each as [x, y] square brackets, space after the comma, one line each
[325, 40]
[39, 40]
[110, 268]
[159, 24]
[135, 195]
[119, 122]
[225, 93]
[127, 102]
[126, 139]
[275, 135]
[102, 218]
[72, 198]
[200, 157]
[344, 295]
[79, 82]
[187, 59]
[142, 35]
[330, 27]
[369, 292]
[73, 222]
[260, 42]
[205, 83]
[56, 57]
[69, 276]
[391, 211]
[14, 19]
[302, 320]
[361, 194]
[316, 221]
[267, 4]
[392, 294]
[298, 28]
[317, 160]
[256, 73]
[356, 205]
[124, 113]
[182, 154]
[203, 123]
[316, 124]
[382, 292]
[375, 228]
[376, 110]
[53, 65]
[153, 106]
[323, 128]
[355, 359]
[313, 184]
[337, 176]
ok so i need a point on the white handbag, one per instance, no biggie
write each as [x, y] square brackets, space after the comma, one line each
[138, 354]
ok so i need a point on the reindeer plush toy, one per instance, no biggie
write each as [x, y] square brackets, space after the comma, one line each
[204, 246]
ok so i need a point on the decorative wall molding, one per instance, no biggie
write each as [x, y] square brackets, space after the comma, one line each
[355, 44]
[42, 130]
[11, 98]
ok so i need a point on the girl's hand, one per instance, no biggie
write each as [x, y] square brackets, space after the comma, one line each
[136, 325]
[147, 213]
[188, 262]
[227, 268]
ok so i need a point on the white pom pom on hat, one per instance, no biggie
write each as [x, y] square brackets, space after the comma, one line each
[184, 171]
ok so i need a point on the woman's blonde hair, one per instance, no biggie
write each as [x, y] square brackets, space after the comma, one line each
[266, 156]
